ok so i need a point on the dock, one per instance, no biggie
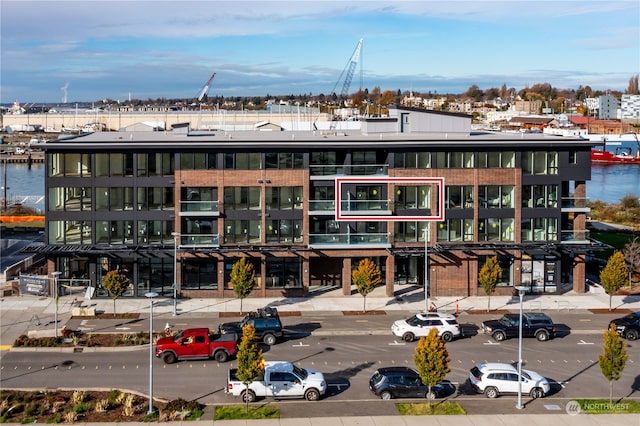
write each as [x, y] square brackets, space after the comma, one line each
[30, 158]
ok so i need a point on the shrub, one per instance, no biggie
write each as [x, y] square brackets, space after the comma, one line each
[80, 407]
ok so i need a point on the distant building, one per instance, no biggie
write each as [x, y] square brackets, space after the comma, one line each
[608, 107]
[630, 106]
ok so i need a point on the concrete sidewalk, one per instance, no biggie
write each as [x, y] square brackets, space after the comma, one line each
[19, 314]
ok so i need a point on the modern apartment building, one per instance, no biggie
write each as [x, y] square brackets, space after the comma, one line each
[304, 207]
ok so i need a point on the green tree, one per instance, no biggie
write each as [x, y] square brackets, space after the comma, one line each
[614, 357]
[249, 359]
[490, 274]
[115, 283]
[432, 361]
[243, 279]
[366, 277]
[614, 275]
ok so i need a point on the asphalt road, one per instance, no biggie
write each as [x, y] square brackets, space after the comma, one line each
[348, 352]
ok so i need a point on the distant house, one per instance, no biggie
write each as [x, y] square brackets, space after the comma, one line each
[529, 123]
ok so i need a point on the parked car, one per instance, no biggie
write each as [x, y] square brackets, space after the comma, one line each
[279, 379]
[197, 343]
[496, 378]
[420, 324]
[534, 324]
[405, 382]
[628, 326]
[265, 321]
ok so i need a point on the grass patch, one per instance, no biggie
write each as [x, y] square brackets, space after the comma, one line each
[615, 239]
[445, 408]
[602, 406]
[238, 412]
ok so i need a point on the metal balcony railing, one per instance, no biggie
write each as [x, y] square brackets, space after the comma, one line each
[350, 170]
[356, 206]
[200, 208]
[574, 236]
[322, 205]
[199, 240]
[349, 239]
[574, 203]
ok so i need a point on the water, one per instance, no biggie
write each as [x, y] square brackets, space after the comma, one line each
[609, 183]
[23, 181]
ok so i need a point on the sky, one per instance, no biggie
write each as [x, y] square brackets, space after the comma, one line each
[91, 50]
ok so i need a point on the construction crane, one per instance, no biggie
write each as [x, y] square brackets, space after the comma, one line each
[349, 69]
[205, 89]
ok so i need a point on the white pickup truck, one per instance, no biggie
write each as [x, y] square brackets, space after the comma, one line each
[280, 379]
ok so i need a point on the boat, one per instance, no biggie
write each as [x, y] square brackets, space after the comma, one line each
[621, 154]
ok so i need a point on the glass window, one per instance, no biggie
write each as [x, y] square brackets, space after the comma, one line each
[412, 197]
[199, 273]
[494, 229]
[242, 231]
[102, 164]
[506, 264]
[243, 198]
[493, 196]
[500, 159]
[284, 231]
[455, 160]
[77, 165]
[455, 230]
[284, 160]
[539, 229]
[283, 272]
[459, 197]
[412, 160]
[116, 167]
[540, 163]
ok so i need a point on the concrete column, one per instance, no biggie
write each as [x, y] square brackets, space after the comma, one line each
[579, 273]
[346, 276]
[390, 268]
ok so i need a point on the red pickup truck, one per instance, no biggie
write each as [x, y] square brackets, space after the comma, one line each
[197, 343]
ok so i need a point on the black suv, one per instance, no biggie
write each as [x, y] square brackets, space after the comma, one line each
[628, 326]
[404, 382]
[266, 322]
[534, 324]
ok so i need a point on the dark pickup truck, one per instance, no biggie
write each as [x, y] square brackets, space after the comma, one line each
[265, 321]
[534, 324]
[197, 343]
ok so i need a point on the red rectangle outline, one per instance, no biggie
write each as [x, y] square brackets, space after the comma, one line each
[436, 180]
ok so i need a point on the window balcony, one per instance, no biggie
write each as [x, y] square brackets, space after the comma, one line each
[365, 207]
[318, 172]
[574, 236]
[575, 204]
[199, 240]
[349, 241]
[199, 208]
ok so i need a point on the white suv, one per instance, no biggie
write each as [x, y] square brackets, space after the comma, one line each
[419, 326]
[495, 378]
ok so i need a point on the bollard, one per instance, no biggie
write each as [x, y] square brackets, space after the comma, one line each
[457, 309]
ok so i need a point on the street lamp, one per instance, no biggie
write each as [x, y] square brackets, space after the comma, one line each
[426, 268]
[55, 274]
[176, 235]
[150, 296]
[519, 405]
